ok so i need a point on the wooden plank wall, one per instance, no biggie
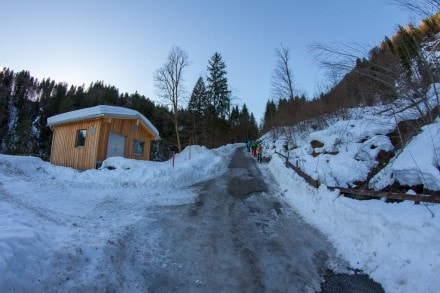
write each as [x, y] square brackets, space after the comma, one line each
[132, 129]
[64, 152]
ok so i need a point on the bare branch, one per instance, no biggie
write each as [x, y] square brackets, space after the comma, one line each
[424, 8]
[282, 79]
[168, 81]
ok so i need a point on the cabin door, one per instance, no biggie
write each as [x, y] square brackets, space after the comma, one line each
[116, 145]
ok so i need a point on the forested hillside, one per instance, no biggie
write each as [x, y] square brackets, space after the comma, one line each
[402, 66]
[26, 103]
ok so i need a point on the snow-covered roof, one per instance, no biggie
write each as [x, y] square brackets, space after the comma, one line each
[100, 111]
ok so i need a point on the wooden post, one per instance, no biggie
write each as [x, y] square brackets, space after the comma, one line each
[190, 143]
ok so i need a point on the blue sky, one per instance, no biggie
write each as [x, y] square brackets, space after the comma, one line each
[124, 42]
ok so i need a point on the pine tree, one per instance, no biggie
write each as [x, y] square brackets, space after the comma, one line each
[253, 127]
[244, 123]
[141, 104]
[235, 117]
[218, 92]
[269, 115]
[198, 106]
[21, 134]
[235, 124]
[198, 102]
[407, 48]
[46, 109]
[6, 82]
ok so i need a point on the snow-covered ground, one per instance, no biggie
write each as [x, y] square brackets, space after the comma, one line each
[47, 211]
[346, 150]
[396, 244]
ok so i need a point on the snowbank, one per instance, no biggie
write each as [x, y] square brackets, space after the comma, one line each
[419, 162]
[346, 151]
[396, 244]
[48, 210]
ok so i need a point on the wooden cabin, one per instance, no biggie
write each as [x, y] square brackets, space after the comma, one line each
[82, 139]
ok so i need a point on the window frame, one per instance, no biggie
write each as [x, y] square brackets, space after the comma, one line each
[136, 144]
[81, 135]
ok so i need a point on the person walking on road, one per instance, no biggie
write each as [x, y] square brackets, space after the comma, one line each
[248, 146]
[254, 149]
[260, 153]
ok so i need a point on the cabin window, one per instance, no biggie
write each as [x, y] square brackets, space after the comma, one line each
[80, 138]
[138, 147]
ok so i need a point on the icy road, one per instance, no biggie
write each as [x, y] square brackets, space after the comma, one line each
[233, 232]
[238, 237]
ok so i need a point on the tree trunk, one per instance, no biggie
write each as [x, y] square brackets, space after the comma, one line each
[176, 127]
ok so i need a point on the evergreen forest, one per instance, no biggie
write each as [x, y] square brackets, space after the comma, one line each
[208, 119]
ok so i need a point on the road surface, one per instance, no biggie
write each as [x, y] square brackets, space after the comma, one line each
[239, 236]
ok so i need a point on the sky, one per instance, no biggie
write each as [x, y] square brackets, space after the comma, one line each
[123, 43]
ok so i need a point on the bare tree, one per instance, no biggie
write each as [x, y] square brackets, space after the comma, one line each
[382, 68]
[168, 82]
[424, 8]
[339, 59]
[282, 79]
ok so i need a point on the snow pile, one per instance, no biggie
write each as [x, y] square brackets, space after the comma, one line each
[47, 211]
[25, 243]
[419, 162]
[346, 151]
[396, 244]
[192, 165]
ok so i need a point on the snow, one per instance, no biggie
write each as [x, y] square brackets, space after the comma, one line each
[46, 210]
[347, 149]
[49, 211]
[396, 244]
[99, 111]
[414, 166]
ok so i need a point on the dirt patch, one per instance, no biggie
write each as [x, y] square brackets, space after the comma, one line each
[316, 144]
[404, 131]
